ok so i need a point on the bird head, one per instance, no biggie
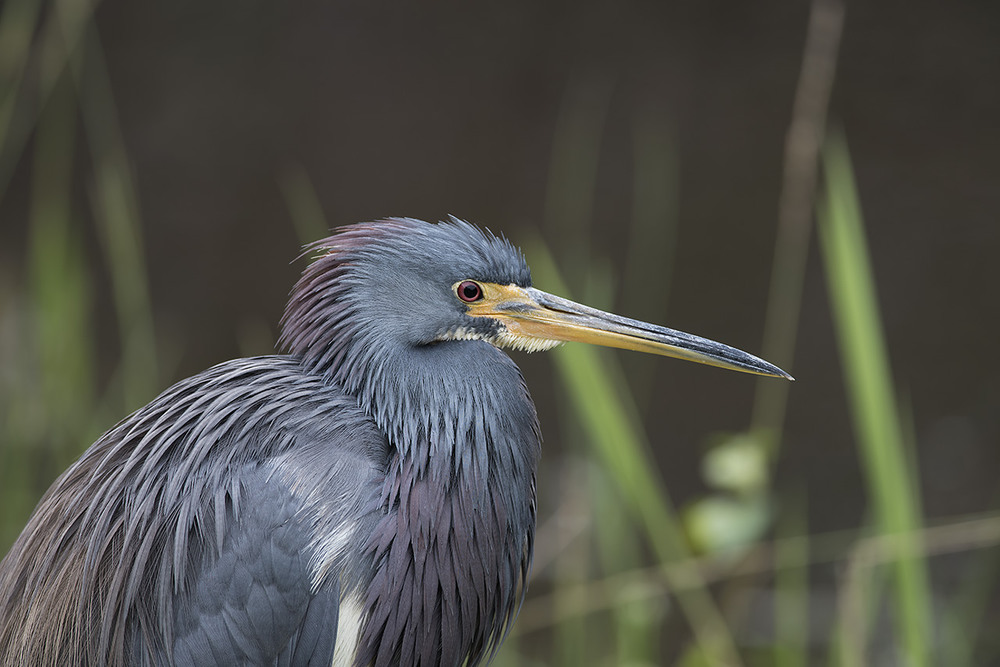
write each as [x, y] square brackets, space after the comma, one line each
[404, 282]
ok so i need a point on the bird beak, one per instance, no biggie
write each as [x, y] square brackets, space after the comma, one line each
[532, 318]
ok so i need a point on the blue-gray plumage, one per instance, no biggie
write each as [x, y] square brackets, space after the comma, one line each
[369, 498]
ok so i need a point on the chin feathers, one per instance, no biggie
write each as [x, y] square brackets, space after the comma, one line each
[503, 339]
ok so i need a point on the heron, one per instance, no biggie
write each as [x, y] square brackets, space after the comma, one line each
[366, 498]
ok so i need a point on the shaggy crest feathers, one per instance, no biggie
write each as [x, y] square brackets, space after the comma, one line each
[325, 310]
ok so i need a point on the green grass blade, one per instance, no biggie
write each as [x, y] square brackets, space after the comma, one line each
[791, 595]
[60, 286]
[600, 398]
[795, 207]
[22, 95]
[575, 636]
[575, 155]
[116, 210]
[573, 164]
[18, 24]
[636, 623]
[48, 393]
[891, 487]
[652, 237]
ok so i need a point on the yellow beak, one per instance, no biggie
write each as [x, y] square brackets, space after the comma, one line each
[532, 317]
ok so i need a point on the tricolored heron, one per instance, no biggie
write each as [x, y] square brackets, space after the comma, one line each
[368, 498]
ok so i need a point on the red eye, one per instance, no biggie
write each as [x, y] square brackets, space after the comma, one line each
[469, 291]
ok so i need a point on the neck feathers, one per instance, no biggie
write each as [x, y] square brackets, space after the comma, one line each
[452, 550]
[451, 567]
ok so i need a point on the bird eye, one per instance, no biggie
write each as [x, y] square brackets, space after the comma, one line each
[469, 291]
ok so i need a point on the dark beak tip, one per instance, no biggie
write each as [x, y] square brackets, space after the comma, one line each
[779, 373]
[770, 370]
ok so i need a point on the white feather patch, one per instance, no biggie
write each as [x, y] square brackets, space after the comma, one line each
[350, 618]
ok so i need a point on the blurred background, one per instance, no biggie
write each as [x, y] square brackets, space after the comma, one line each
[812, 183]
